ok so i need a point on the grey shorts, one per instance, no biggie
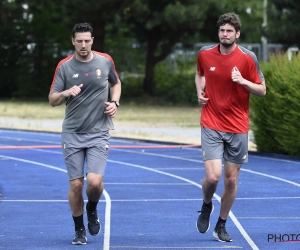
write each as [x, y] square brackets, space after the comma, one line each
[81, 148]
[217, 145]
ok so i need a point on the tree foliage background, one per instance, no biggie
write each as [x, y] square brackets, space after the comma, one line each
[140, 35]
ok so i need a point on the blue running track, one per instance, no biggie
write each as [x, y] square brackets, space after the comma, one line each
[151, 199]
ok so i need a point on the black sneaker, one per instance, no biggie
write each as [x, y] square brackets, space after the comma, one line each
[80, 237]
[221, 234]
[93, 222]
[203, 223]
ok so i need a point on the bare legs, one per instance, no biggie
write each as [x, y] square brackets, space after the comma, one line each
[94, 191]
[213, 169]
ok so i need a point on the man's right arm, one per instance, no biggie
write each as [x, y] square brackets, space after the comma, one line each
[57, 98]
[200, 85]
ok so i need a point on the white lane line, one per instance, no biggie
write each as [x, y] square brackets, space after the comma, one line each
[267, 198]
[236, 222]
[175, 247]
[199, 161]
[269, 218]
[14, 132]
[252, 156]
[154, 200]
[231, 215]
[125, 140]
[118, 200]
[106, 244]
[149, 183]
[271, 176]
[28, 139]
[154, 154]
[184, 169]
[275, 159]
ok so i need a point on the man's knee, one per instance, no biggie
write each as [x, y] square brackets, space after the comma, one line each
[211, 180]
[94, 181]
[77, 185]
[231, 183]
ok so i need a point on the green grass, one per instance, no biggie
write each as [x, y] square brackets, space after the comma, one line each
[150, 114]
[30, 110]
[128, 113]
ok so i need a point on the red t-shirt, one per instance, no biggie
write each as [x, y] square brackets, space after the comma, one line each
[227, 109]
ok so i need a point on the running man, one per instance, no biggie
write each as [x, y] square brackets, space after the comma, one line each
[226, 76]
[83, 81]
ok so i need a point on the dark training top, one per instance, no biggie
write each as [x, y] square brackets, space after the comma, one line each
[85, 113]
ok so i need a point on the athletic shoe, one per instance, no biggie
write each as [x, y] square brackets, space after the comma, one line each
[80, 237]
[203, 223]
[93, 222]
[221, 234]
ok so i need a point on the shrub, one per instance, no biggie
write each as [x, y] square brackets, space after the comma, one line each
[275, 117]
[176, 84]
[132, 85]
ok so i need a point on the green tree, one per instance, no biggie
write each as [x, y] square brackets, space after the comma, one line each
[284, 19]
[251, 15]
[99, 14]
[34, 35]
[46, 42]
[160, 24]
[13, 45]
[111, 33]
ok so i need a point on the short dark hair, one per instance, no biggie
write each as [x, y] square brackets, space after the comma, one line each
[230, 18]
[82, 27]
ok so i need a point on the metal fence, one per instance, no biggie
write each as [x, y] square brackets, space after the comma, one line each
[186, 51]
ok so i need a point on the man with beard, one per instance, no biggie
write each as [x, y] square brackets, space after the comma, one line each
[84, 81]
[226, 76]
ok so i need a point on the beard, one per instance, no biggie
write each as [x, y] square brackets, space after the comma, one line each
[83, 53]
[227, 44]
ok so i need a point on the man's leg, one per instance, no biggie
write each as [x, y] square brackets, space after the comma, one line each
[94, 191]
[75, 196]
[74, 156]
[95, 186]
[76, 203]
[213, 170]
[231, 172]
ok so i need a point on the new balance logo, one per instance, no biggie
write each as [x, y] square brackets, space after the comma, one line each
[75, 75]
[212, 68]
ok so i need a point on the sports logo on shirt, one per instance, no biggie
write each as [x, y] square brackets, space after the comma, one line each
[212, 68]
[98, 73]
[75, 76]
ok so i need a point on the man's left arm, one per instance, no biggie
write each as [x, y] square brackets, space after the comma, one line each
[115, 94]
[258, 89]
[115, 91]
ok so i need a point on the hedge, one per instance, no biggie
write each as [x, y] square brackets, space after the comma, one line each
[275, 118]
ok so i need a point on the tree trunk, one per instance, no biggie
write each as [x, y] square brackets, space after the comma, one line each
[151, 61]
[99, 35]
[149, 75]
